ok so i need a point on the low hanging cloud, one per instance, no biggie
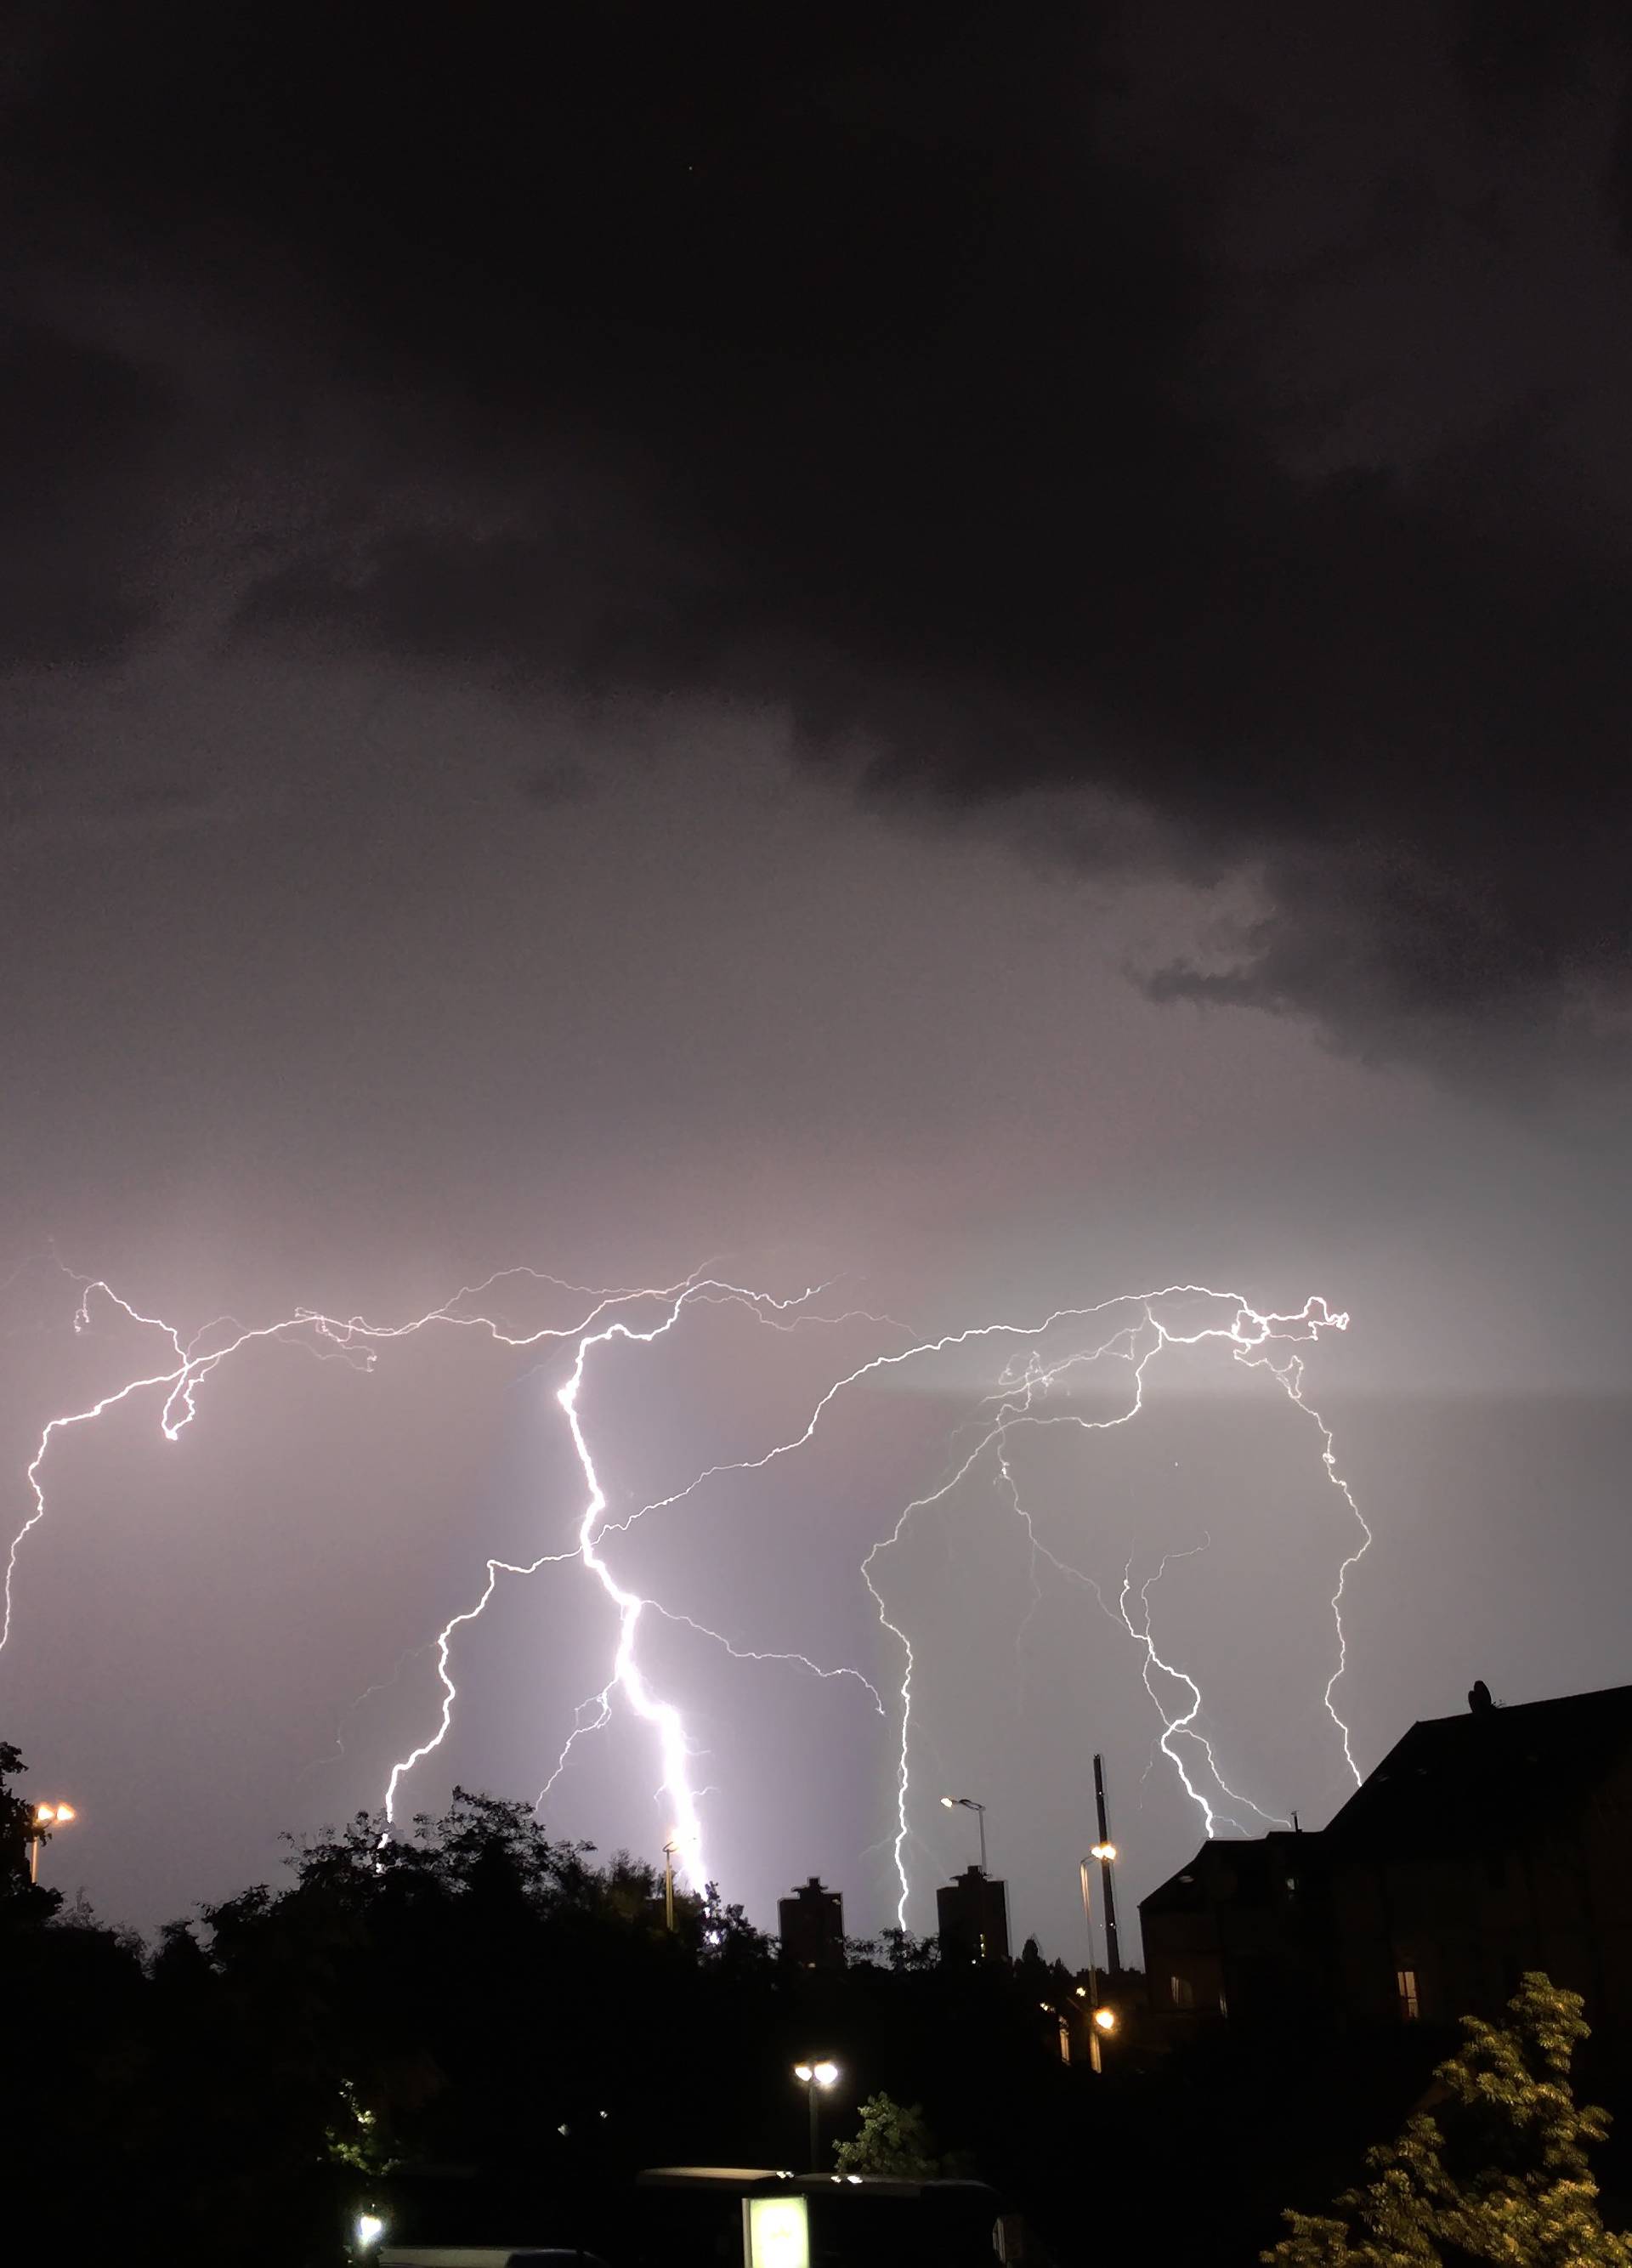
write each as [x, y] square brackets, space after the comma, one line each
[1219, 435]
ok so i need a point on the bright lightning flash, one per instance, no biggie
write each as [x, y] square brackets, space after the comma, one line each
[1132, 1332]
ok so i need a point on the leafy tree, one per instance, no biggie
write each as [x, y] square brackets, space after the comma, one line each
[1498, 2174]
[730, 1940]
[20, 1899]
[895, 2139]
[904, 1951]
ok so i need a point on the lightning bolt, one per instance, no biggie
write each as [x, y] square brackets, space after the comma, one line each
[1135, 1335]
[1138, 1344]
[1185, 1722]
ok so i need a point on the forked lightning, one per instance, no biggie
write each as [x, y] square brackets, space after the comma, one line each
[1025, 1392]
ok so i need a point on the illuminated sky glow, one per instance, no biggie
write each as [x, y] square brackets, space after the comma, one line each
[1062, 1351]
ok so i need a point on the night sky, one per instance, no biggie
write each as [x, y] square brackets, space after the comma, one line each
[975, 654]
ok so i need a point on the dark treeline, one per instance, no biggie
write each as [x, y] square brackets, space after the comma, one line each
[481, 2025]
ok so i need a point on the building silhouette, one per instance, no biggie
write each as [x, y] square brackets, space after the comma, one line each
[1482, 1845]
[971, 1914]
[1240, 1931]
[811, 1925]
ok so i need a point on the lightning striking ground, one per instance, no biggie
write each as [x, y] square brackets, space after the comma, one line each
[1132, 1330]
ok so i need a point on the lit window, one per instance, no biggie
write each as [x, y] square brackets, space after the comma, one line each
[1182, 1991]
[1405, 1985]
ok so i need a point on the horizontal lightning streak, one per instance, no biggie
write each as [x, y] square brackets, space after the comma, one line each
[760, 1653]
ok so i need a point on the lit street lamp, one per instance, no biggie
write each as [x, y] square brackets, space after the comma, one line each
[969, 1803]
[1105, 1851]
[1103, 2019]
[46, 1816]
[815, 2077]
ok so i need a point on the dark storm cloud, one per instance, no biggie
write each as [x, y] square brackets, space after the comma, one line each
[79, 428]
[1220, 425]
[552, 787]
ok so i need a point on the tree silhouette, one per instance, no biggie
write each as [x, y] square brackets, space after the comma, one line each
[20, 1899]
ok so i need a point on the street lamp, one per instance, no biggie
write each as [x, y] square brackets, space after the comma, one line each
[47, 1816]
[1103, 2019]
[815, 2077]
[969, 1803]
[370, 2229]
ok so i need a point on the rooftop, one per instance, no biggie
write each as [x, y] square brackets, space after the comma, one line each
[1474, 1777]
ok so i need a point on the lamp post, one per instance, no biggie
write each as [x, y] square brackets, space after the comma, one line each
[816, 2078]
[969, 1803]
[1102, 2022]
[47, 1816]
[1105, 1851]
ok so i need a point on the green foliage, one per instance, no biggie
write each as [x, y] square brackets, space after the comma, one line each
[895, 2139]
[353, 2140]
[1499, 2173]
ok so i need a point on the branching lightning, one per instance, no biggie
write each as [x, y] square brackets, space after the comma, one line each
[1052, 1357]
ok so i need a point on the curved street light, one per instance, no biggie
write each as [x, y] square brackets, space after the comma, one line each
[969, 1803]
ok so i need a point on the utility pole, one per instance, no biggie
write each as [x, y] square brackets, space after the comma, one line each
[668, 1887]
[1113, 1953]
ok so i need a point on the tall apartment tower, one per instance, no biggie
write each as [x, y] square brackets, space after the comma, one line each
[811, 1926]
[973, 1912]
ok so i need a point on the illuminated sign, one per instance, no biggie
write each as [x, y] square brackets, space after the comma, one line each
[775, 2233]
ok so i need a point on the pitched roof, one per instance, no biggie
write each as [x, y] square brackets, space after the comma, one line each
[1479, 1779]
[1225, 1868]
